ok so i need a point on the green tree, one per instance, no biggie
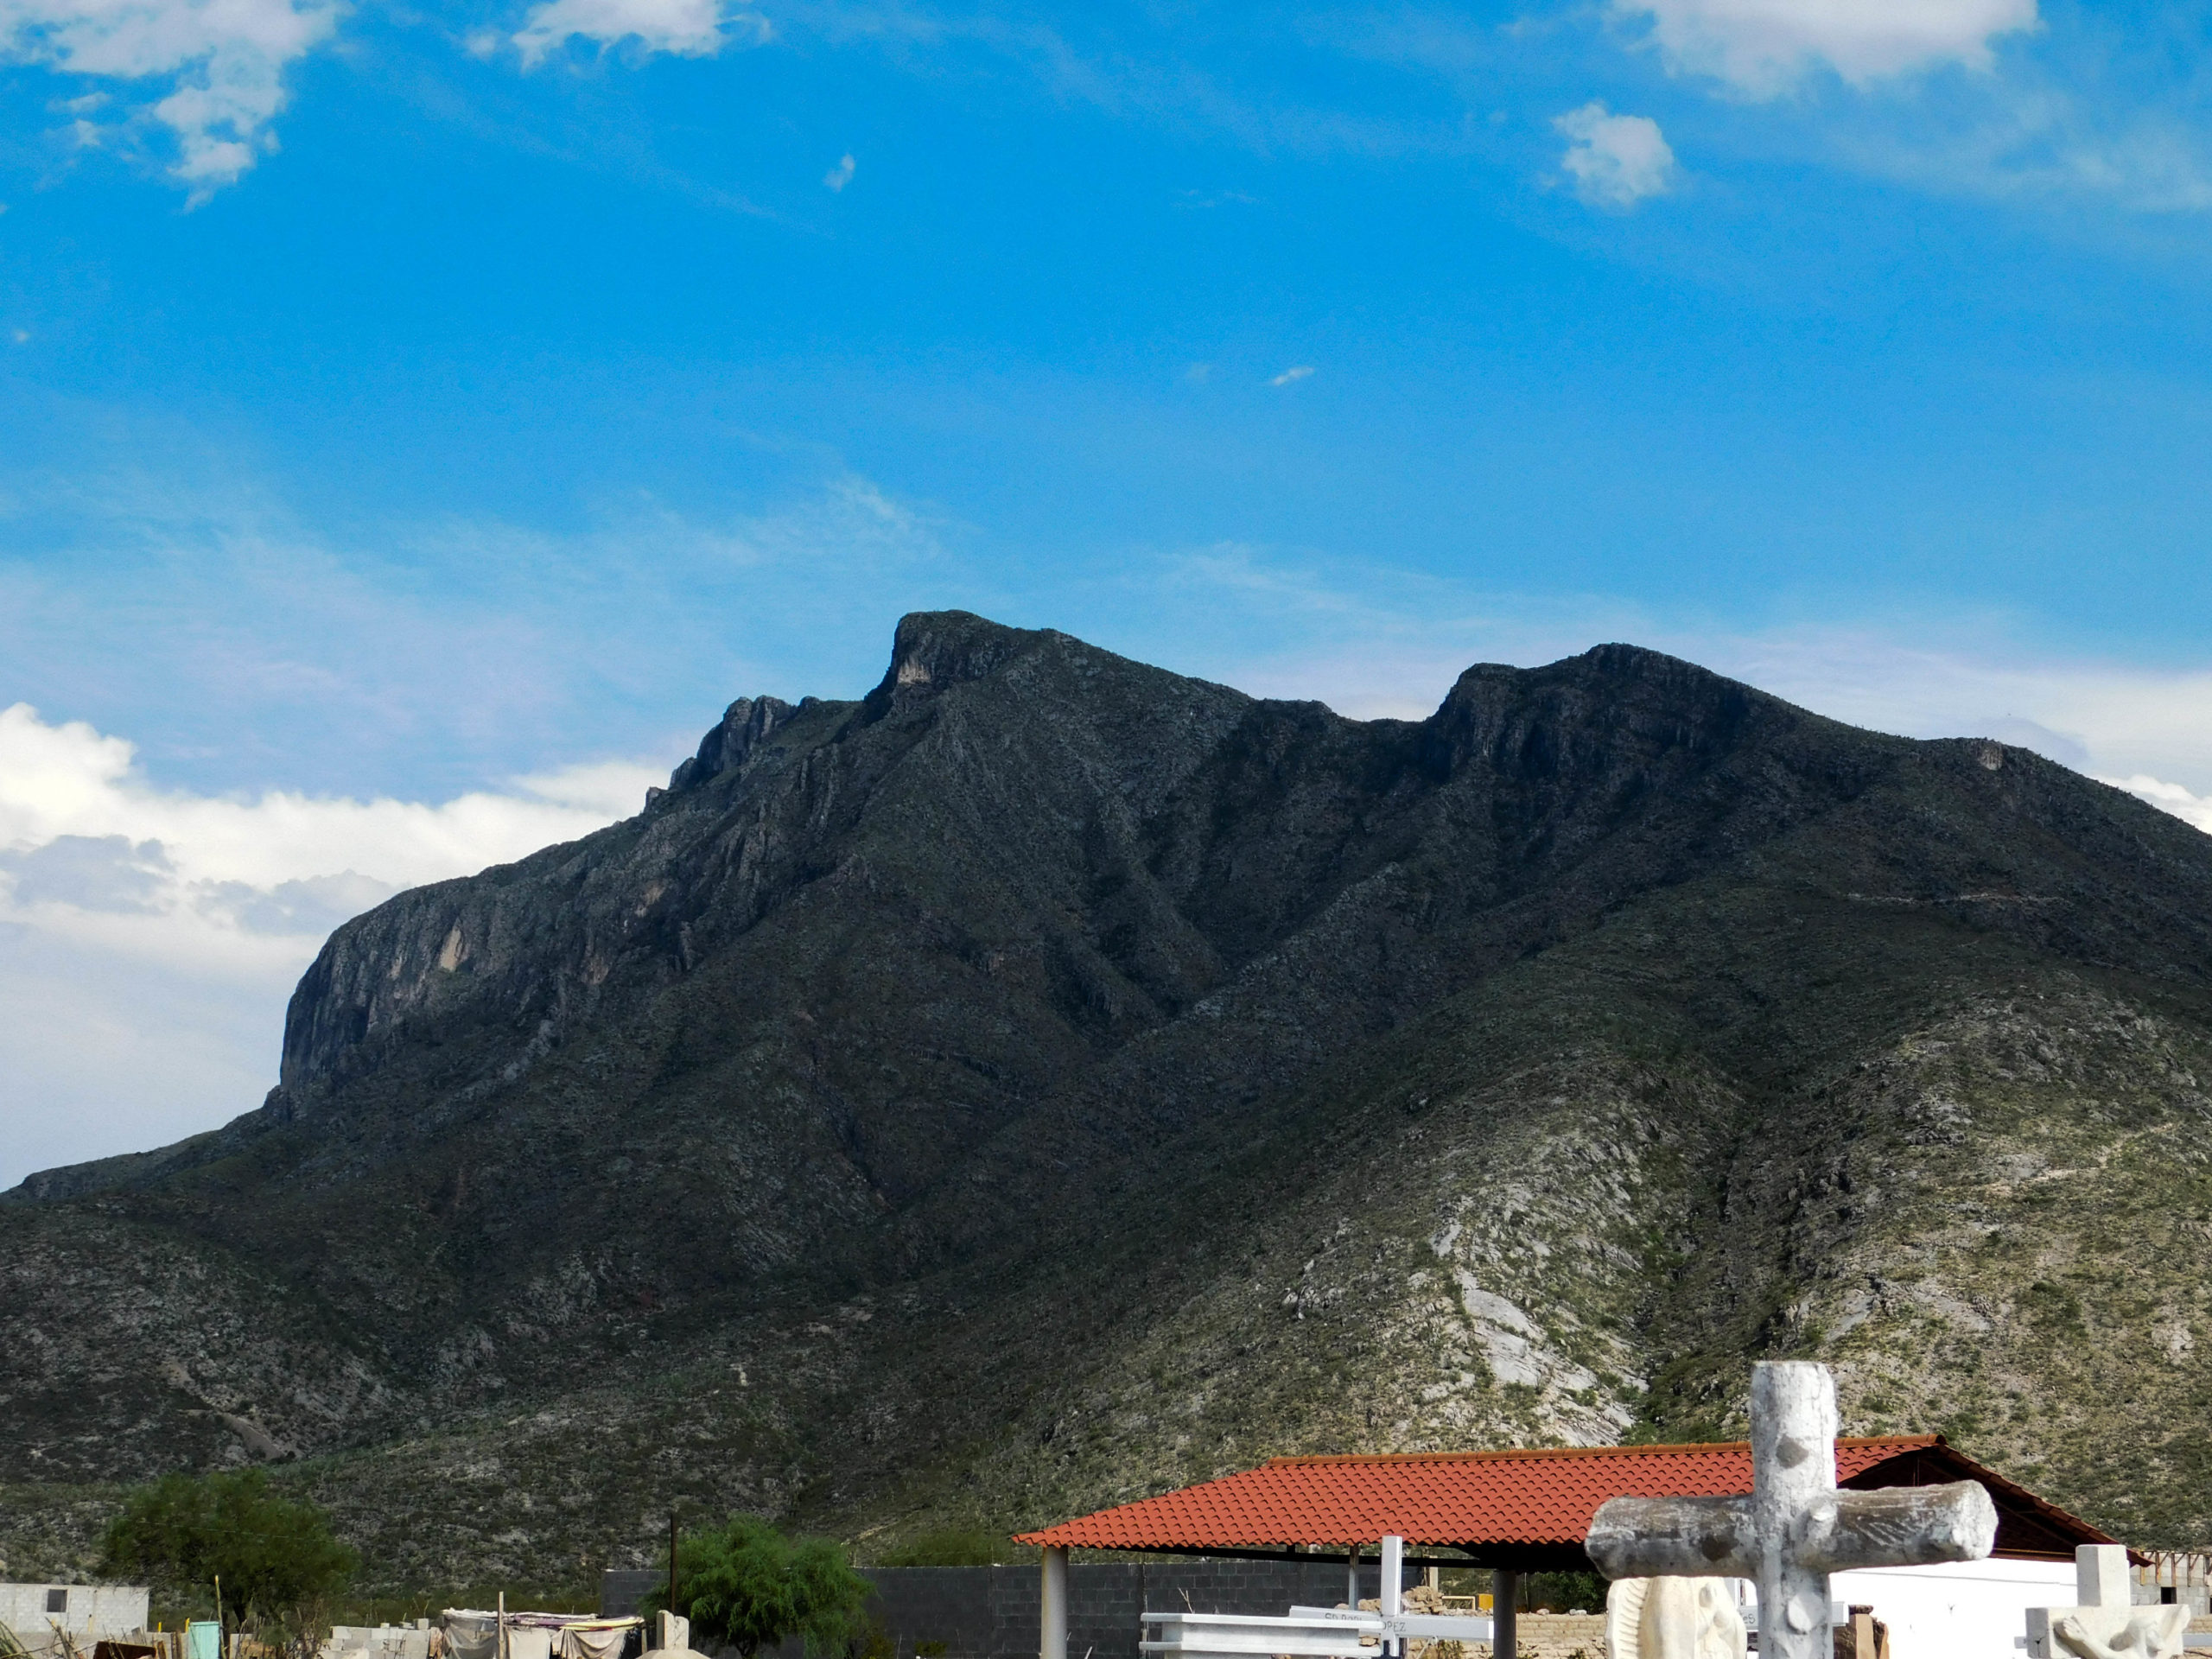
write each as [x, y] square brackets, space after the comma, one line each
[746, 1584]
[272, 1554]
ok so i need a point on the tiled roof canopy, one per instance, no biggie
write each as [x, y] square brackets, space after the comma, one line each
[1530, 1509]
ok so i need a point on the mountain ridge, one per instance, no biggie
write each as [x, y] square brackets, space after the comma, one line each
[1046, 1077]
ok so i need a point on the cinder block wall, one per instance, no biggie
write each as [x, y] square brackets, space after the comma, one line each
[991, 1612]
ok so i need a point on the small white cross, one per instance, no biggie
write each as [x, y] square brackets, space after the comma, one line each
[2104, 1625]
[1796, 1528]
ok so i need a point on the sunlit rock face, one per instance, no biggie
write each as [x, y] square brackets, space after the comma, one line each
[1048, 1078]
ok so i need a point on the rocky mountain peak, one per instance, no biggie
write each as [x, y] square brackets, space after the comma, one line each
[726, 746]
[932, 651]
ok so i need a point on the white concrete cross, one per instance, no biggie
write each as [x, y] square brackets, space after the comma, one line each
[1796, 1528]
[2106, 1625]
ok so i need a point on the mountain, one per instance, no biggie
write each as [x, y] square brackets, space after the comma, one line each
[1049, 1079]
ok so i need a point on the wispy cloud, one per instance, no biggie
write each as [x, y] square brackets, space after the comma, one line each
[1296, 373]
[2034, 136]
[840, 175]
[331, 666]
[1187, 78]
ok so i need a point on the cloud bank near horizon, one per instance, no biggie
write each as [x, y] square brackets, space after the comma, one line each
[150, 937]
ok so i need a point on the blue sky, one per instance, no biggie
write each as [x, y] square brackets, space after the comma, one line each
[417, 423]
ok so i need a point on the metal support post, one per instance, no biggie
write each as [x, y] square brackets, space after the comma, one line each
[1052, 1605]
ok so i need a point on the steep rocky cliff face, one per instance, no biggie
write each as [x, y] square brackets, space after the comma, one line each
[1049, 1079]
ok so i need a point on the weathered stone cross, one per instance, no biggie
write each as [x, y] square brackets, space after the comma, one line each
[1796, 1528]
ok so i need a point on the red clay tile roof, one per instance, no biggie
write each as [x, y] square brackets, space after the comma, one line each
[1532, 1498]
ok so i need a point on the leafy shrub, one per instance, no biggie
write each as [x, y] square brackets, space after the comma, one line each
[746, 1585]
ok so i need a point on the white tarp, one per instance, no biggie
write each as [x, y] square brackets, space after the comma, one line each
[381, 1642]
[472, 1633]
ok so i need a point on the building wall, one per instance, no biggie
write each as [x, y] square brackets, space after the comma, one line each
[1956, 1610]
[100, 1608]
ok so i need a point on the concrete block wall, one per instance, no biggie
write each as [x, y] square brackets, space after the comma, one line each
[991, 1612]
[621, 1589]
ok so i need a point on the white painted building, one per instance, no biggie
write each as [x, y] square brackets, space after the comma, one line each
[34, 1612]
[1957, 1609]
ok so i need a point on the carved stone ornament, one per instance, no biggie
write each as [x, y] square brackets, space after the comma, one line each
[2107, 1625]
[2122, 1632]
[1672, 1618]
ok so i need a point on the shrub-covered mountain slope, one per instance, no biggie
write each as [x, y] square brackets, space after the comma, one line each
[1049, 1079]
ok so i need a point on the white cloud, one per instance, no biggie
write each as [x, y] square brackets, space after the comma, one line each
[1615, 160]
[72, 780]
[222, 60]
[840, 175]
[687, 28]
[184, 918]
[1765, 46]
[1295, 372]
[2191, 808]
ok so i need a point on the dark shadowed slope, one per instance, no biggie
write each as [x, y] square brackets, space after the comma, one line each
[1050, 1078]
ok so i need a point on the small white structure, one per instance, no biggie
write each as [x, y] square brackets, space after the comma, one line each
[85, 1611]
[1311, 1632]
[2108, 1624]
[1259, 1635]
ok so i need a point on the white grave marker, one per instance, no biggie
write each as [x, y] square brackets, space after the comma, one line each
[1796, 1528]
[2104, 1625]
